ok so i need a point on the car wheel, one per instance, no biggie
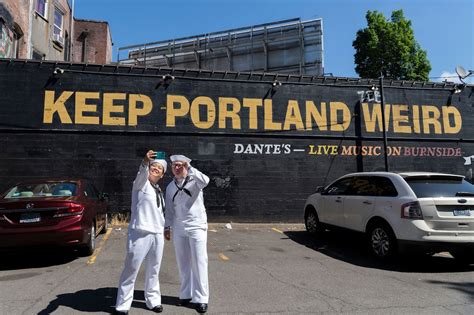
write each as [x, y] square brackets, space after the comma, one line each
[465, 256]
[106, 224]
[312, 223]
[382, 241]
[89, 248]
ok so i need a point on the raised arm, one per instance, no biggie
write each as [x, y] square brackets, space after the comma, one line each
[202, 180]
[142, 175]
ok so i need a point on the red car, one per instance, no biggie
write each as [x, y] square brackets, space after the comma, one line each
[53, 212]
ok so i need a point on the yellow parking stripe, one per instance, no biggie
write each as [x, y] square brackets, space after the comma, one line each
[223, 257]
[99, 248]
[277, 230]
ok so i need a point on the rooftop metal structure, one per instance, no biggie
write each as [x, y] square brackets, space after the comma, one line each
[288, 47]
[165, 73]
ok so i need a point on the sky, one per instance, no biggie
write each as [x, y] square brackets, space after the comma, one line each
[443, 28]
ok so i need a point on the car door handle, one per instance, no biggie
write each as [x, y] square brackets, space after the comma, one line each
[338, 200]
[367, 202]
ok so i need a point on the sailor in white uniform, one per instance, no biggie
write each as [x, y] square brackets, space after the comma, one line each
[186, 216]
[145, 236]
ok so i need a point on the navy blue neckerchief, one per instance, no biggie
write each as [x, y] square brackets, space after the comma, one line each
[181, 188]
[159, 196]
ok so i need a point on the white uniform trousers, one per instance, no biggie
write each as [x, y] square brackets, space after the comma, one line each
[141, 246]
[191, 256]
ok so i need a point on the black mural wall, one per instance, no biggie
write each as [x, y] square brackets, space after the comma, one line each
[266, 141]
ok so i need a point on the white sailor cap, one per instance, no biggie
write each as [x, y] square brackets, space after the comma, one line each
[180, 158]
[162, 162]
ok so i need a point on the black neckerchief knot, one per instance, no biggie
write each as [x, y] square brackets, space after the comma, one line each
[181, 188]
[159, 197]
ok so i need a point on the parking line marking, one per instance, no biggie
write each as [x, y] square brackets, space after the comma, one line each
[223, 257]
[277, 230]
[99, 248]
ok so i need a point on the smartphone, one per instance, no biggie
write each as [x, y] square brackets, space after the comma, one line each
[160, 155]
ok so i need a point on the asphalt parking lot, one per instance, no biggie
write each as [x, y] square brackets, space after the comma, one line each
[254, 269]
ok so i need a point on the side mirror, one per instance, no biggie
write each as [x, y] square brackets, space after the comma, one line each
[320, 189]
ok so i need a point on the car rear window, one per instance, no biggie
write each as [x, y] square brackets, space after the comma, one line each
[47, 189]
[440, 187]
[363, 186]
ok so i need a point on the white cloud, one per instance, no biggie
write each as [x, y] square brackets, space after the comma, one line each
[453, 77]
[449, 76]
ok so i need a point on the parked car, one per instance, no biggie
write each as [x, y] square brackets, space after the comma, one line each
[53, 212]
[429, 212]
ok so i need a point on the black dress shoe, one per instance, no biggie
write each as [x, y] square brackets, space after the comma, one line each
[201, 308]
[158, 309]
[183, 302]
[115, 312]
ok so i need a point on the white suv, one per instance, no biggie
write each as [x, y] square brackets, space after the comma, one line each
[431, 211]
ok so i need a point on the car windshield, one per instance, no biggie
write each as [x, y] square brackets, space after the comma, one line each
[46, 189]
[440, 187]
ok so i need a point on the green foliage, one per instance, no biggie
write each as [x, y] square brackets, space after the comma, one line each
[390, 48]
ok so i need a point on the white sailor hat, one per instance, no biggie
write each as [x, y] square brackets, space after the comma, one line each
[180, 158]
[162, 162]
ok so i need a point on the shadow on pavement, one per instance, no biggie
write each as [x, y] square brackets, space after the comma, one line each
[466, 288]
[25, 258]
[100, 300]
[351, 247]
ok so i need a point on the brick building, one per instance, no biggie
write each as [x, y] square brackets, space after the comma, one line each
[14, 28]
[41, 30]
[93, 42]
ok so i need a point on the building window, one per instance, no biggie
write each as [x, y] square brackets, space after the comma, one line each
[41, 7]
[58, 23]
[58, 36]
[17, 40]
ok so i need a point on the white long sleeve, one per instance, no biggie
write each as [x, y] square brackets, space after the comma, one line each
[185, 207]
[147, 214]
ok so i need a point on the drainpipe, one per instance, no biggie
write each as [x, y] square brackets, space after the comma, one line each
[384, 128]
[29, 42]
[71, 44]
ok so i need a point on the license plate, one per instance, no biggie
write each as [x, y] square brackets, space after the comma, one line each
[462, 213]
[30, 218]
